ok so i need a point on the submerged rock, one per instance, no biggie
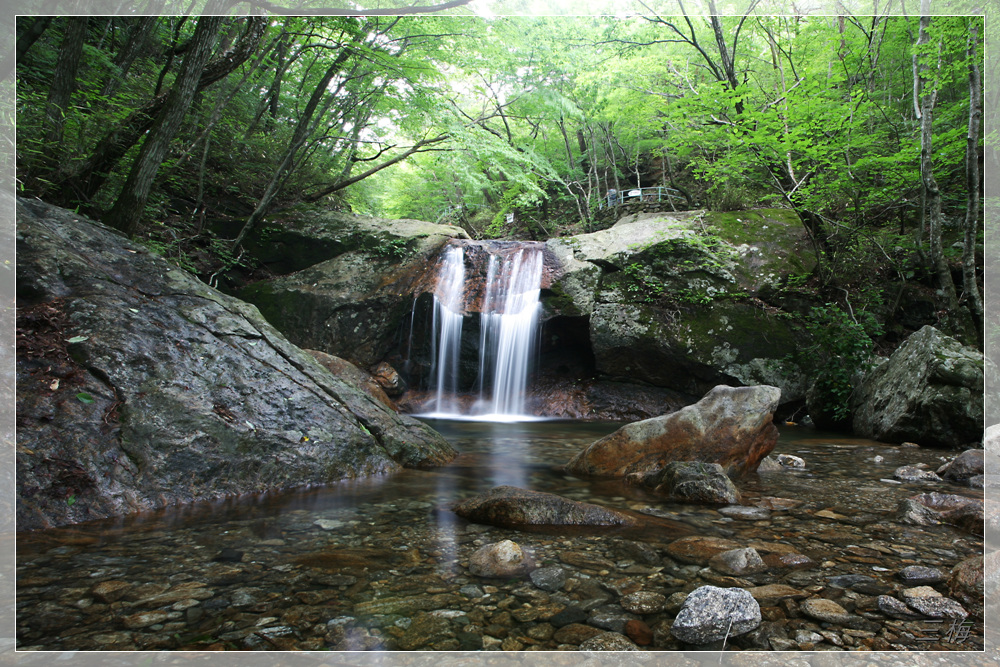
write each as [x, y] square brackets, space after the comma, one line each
[139, 387]
[738, 562]
[501, 559]
[930, 390]
[930, 508]
[967, 585]
[731, 426]
[696, 482]
[966, 466]
[511, 507]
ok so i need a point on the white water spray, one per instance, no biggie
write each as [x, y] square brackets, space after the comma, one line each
[448, 309]
[508, 332]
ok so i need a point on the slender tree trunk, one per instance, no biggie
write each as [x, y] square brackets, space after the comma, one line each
[298, 138]
[64, 82]
[128, 208]
[31, 35]
[971, 287]
[931, 191]
[87, 177]
[134, 43]
[569, 150]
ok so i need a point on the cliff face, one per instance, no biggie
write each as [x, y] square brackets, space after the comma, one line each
[139, 386]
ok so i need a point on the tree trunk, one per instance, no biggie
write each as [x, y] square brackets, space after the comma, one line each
[298, 138]
[569, 150]
[971, 287]
[135, 42]
[87, 178]
[31, 35]
[932, 195]
[64, 83]
[128, 208]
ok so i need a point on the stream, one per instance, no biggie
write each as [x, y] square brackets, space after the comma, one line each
[381, 563]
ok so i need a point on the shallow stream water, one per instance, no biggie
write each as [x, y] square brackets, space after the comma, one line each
[381, 563]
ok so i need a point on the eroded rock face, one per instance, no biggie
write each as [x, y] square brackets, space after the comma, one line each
[140, 387]
[731, 426]
[667, 297]
[349, 300]
[929, 391]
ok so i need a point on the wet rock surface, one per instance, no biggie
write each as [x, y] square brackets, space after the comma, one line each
[729, 426]
[383, 564]
[140, 386]
[696, 482]
[513, 507]
[350, 280]
[929, 390]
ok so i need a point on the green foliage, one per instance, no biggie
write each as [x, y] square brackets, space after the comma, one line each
[641, 284]
[537, 116]
[842, 352]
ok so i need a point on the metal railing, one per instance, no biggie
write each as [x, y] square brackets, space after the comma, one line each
[637, 195]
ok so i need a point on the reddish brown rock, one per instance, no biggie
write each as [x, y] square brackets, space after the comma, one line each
[388, 379]
[699, 550]
[639, 632]
[347, 371]
[967, 585]
[731, 426]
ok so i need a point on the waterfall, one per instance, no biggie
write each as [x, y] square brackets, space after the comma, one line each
[447, 321]
[508, 333]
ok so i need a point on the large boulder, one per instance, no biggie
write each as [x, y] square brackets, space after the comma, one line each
[731, 426]
[139, 386]
[350, 299]
[304, 238]
[673, 298]
[930, 391]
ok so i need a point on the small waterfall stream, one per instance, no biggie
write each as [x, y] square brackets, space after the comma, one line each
[508, 333]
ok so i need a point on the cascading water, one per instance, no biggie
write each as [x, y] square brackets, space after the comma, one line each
[448, 312]
[508, 336]
[509, 324]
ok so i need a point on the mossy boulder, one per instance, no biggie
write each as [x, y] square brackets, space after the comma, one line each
[351, 305]
[929, 391]
[304, 238]
[674, 298]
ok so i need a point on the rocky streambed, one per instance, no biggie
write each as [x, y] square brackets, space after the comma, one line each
[824, 547]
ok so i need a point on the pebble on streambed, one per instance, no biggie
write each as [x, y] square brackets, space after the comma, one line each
[841, 573]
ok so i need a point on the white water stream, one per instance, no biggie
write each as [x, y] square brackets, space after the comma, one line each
[508, 333]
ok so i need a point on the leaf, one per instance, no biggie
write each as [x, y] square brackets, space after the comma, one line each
[84, 397]
[77, 339]
[71, 500]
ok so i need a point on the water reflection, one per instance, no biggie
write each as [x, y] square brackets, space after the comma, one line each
[396, 536]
